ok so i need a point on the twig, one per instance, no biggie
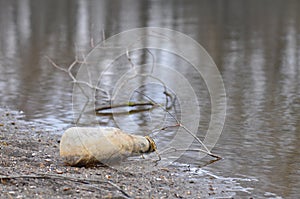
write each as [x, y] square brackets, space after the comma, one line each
[153, 59]
[129, 104]
[103, 36]
[172, 99]
[148, 75]
[126, 113]
[195, 150]
[84, 107]
[79, 83]
[164, 128]
[69, 71]
[63, 177]
[184, 127]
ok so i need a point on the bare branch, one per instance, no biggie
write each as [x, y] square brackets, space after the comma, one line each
[184, 127]
[69, 71]
[195, 150]
[129, 104]
[55, 65]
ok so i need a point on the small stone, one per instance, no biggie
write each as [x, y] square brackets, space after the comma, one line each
[42, 165]
[48, 160]
[3, 143]
[165, 169]
[66, 188]
[59, 171]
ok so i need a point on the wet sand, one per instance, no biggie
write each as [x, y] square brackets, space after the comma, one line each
[31, 168]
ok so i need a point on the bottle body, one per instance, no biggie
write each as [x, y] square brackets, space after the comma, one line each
[86, 145]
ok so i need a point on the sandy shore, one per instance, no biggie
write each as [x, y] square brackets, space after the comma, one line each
[31, 168]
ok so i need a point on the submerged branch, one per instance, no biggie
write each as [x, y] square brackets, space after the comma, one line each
[144, 105]
[129, 104]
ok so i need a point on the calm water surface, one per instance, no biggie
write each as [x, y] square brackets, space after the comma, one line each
[255, 44]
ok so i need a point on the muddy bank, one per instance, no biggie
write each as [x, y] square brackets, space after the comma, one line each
[31, 168]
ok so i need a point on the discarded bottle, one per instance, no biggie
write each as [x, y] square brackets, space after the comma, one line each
[81, 146]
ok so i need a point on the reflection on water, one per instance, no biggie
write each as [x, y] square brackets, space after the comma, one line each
[256, 45]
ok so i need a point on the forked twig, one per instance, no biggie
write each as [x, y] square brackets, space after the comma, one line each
[79, 83]
[69, 71]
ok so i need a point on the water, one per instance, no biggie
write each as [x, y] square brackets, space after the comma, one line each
[255, 44]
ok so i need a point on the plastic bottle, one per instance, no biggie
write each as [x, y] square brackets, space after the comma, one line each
[81, 146]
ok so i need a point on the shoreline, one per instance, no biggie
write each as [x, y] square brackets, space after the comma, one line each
[31, 168]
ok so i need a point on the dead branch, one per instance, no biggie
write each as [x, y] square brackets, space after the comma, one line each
[129, 104]
[106, 93]
[169, 150]
[79, 83]
[206, 151]
[74, 80]
[64, 177]
[125, 113]
[150, 75]
[144, 105]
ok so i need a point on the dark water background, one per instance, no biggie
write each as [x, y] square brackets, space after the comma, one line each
[255, 44]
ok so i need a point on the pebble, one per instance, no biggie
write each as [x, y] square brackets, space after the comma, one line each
[66, 189]
[59, 171]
